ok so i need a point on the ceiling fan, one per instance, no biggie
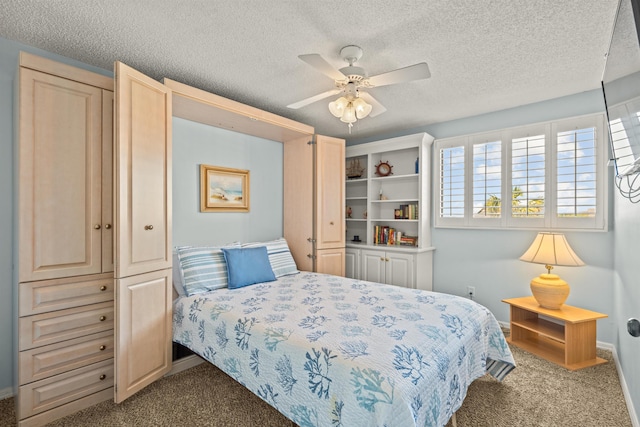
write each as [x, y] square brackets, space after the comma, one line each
[354, 103]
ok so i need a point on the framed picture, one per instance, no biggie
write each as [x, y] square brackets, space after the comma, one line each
[223, 189]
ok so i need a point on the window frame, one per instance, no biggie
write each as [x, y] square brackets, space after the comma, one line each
[551, 220]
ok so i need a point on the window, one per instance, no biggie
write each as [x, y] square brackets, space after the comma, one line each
[487, 179]
[549, 175]
[452, 179]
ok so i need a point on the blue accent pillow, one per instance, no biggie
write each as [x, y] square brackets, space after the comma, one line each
[280, 257]
[247, 266]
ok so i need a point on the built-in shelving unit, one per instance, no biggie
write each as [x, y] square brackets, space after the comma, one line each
[399, 201]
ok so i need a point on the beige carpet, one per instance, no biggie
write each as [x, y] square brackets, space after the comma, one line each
[537, 393]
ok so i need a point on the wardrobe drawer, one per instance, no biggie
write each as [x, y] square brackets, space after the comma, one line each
[49, 393]
[58, 294]
[50, 328]
[43, 362]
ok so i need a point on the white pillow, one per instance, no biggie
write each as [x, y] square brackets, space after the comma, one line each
[203, 268]
[282, 262]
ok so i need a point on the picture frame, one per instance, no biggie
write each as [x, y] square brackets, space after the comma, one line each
[223, 189]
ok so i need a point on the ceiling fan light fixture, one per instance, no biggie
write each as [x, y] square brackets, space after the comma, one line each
[338, 106]
[362, 108]
[349, 115]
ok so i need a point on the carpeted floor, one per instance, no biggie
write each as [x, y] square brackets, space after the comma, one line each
[537, 393]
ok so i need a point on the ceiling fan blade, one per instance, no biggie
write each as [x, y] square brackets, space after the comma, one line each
[377, 108]
[313, 99]
[320, 64]
[401, 75]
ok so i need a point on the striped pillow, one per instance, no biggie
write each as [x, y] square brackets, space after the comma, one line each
[203, 269]
[282, 262]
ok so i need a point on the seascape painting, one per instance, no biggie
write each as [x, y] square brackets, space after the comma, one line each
[223, 189]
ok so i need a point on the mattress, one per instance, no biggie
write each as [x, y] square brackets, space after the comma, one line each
[332, 351]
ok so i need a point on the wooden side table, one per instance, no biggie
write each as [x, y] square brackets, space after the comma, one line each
[566, 336]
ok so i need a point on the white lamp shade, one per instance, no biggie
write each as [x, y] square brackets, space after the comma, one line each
[337, 107]
[349, 115]
[551, 249]
[362, 108]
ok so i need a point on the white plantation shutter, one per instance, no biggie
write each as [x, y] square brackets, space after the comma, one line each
[576, 173]
[579, 190]
[528, 176]
[487, 180]
[452, 184]
[549, 175]
[622, 124]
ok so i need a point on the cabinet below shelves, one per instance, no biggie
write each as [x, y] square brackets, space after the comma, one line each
[405, 267]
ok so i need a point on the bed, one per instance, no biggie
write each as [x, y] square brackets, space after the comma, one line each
[332, 351]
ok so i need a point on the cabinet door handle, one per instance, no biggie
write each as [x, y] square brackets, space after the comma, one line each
[103, 288]
[107, 226]
[103, 347]
[103, 318]
[102, 377]
[381, 258]
[386, 259]
[97, 226]
[331, 223]
[311, 239]
[148, 227]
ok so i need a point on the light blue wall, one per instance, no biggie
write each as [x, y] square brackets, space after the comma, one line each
[494, 266]
[488, 259]
[626, 290]
[195, 144]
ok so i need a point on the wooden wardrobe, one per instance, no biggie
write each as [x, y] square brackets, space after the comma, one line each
[314, 213]
[94, 237]
[94, 227]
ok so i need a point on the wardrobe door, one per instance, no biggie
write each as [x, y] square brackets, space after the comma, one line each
[331, 261]
[143, 334]
[59, 177]
[107, 181]
[143, 231]
[298, 197]
[330, 182]
[143, 173]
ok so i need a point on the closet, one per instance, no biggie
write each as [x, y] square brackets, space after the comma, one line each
[65, 238]
[314, 215]
[94, 228]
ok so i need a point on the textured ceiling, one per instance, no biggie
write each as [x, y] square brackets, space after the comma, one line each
[483, 55]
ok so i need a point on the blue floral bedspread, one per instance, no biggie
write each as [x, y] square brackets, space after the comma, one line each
[329, 351]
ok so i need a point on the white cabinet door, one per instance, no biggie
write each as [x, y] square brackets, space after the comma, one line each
[373, 266]
[352, 263]
[399, 269]
[392, 268]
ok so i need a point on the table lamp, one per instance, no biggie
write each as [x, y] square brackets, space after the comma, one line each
[550, 249]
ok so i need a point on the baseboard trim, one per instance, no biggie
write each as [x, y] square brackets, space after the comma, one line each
[185, 363]
[625, 390]
[6, 393]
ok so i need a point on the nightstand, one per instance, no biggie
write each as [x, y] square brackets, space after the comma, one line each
[566, 336]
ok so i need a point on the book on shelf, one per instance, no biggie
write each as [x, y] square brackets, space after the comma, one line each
[408, 211]
[385, 235]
